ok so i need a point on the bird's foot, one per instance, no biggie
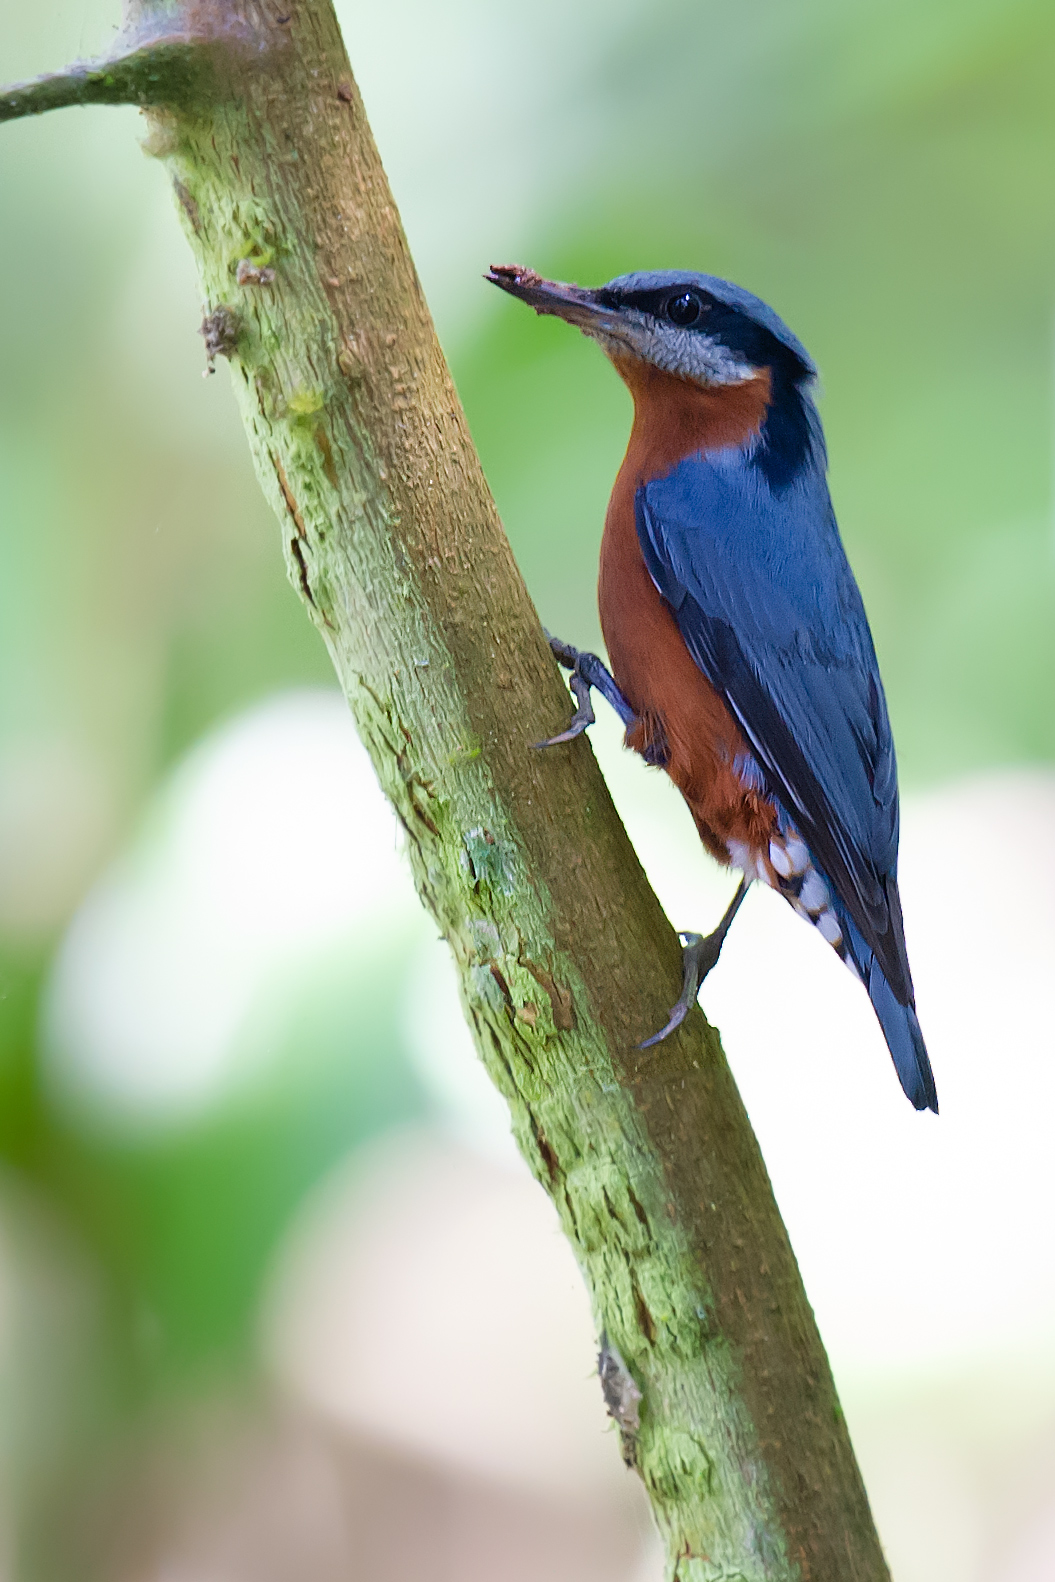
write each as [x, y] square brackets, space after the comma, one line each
[587, 671]
[699, 954]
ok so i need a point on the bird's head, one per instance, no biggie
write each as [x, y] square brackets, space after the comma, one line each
[693, 326]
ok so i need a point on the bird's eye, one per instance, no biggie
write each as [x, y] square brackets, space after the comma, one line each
[685, 309]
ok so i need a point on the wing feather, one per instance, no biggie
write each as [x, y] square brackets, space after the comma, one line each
[769, 609]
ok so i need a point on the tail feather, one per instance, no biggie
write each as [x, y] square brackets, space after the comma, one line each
[900, 1025]
[901, 1030]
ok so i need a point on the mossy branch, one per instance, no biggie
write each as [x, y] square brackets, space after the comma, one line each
[166, 69]
[711, 1364]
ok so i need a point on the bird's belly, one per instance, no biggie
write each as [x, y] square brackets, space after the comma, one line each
[706, 753]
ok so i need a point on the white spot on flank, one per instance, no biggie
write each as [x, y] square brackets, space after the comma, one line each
[814, 892]
[798, 856]
[751, 864]
[828, 927]
[779, 858]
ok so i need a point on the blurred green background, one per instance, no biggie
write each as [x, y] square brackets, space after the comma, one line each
[881, 172]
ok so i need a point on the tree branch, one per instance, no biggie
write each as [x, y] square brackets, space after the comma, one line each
[565, 958]
[166, 69]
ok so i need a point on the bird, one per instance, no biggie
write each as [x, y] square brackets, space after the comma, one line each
[742, 662]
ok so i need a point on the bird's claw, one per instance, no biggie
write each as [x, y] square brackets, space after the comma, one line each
[583, 716]
[563, 652]
[693, 972]
[699, 954]
[587, 671]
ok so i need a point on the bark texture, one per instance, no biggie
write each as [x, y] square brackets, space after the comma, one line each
[565, 958]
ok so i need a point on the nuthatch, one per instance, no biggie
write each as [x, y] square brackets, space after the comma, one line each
[742, 660]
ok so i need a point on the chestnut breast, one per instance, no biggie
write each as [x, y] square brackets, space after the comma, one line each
[673, 419]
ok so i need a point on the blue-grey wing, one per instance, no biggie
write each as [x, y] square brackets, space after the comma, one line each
[769, 609]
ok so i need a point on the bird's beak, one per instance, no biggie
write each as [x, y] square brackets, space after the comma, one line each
[573, 303]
